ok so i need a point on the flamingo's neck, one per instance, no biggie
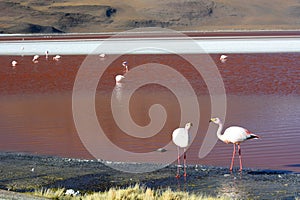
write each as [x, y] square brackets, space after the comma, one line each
[219, 131]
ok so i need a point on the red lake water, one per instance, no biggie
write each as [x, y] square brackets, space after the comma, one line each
[262, 92]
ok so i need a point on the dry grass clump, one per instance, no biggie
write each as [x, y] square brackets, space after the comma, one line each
[49, 193]
[136, 192]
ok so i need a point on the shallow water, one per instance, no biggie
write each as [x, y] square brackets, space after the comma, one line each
[262, 93]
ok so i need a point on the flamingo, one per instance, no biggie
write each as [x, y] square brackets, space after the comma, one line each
[119, 78]
[223, 58]
[102, 55]
[235, 135]
[14, 63]
[57, 57]
[180, 137]
[35, 58]
[46, 54]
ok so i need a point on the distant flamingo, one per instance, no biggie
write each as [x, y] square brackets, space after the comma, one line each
[223, 58]
[57, 57]
[46, 54]
[235, 135]
[180, 137]
[35, 58]
[119, 78]
[125, 64]
[14, 63]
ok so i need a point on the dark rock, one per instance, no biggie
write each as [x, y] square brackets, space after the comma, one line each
[32, 28]
[110, 12]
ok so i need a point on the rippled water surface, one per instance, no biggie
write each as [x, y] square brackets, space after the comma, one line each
[262, 95]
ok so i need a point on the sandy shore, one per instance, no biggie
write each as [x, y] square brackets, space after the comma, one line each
[24, 172]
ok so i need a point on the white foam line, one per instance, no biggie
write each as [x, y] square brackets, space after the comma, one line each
[120, 45]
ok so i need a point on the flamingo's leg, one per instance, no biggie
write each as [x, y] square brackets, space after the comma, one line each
[232, 159]
[178, 163]
[240, 157]
[184, 161]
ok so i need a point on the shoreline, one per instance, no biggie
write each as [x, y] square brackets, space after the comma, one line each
[24, 172]
[137, 34]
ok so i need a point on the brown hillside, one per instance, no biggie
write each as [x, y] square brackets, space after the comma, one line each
[77, 16]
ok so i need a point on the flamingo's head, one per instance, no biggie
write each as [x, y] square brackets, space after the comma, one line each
[215, 120]
[188, 125]
[124, 63]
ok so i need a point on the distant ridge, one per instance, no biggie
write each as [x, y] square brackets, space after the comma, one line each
[74, 16]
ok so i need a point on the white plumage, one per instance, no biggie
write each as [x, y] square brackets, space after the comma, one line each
[14, 63]
[235, 134]
[57, 57]
[223, 58]
[181, 138]
[35, 58]
[119, 78]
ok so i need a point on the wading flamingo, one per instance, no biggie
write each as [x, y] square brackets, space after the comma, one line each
[180, 137]
[125, 64]
[57, 57]
[46, 54]
[35, 58]
[223, 58]
[119, 78]
[14, 63]
[235, 135]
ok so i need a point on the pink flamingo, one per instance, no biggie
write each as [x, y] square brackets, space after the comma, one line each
[235, 135]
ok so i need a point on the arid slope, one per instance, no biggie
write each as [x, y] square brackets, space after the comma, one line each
[76, 16]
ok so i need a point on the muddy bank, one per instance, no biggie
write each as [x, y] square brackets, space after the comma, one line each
[24, 172]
